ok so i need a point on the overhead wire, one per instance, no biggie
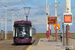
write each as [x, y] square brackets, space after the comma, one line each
[2, 4]
[23, 3]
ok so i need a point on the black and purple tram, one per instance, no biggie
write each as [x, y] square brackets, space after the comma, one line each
[23, 32]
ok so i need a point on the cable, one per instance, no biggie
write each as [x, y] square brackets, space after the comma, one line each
[2, 4]
[59, 2]
[23, 2]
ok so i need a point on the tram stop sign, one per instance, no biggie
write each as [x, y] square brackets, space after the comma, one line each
[67, 18]
[52, 20]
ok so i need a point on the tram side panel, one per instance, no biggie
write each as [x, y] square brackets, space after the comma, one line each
[33, 34]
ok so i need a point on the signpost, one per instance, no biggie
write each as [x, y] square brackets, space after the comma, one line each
[51, 20]
[67, 20]
[56, 27]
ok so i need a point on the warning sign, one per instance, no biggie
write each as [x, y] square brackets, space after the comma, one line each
[56, 26]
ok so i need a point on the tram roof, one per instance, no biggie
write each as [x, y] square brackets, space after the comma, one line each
[22, 21]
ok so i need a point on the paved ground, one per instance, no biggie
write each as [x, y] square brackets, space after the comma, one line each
[43, 44]
[8, 45]
[39, 44]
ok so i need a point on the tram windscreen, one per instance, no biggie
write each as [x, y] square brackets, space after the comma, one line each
[22, 31]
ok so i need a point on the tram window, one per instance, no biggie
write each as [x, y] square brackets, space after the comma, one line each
[22, 31]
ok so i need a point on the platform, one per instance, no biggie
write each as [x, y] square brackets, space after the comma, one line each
[43, 44]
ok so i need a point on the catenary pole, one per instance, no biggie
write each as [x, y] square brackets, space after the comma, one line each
[18, 17]
[1, 22]
[68, 10]
[24, 17]
[12, 18]
[56, 16]
[47, 18]
[2, 27]
[5, 22]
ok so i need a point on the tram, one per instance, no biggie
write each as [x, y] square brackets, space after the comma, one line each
[23, 32]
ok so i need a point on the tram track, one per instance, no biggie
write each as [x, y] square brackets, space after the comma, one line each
[24, 48]
[12, 47]
[8, 45]
[5, 45]
[5, 42]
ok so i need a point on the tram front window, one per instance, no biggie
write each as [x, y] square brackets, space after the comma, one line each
[22, 32]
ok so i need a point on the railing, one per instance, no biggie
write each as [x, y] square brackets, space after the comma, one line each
[71, 42]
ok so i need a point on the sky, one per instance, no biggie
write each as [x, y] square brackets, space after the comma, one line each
[37, 14]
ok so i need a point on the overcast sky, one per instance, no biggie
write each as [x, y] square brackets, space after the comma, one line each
[37, 12]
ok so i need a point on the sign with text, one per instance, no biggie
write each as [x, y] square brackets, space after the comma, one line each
[67, 18]
[52, 20]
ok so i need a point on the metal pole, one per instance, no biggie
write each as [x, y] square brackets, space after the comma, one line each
[47, 17]
[5, 22]
[56, 35]
[49, 24]
[56, 16]
[2, 27]
[63, 34]
[27, 13]
[67, 36]
[24, 17]
[47, 14]
[68, 6]
[55, 8]
[68, 31]
[1, 22]
[50, 29]
[48, 9]
[68, 10]
[12, 18]
[18, 17]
